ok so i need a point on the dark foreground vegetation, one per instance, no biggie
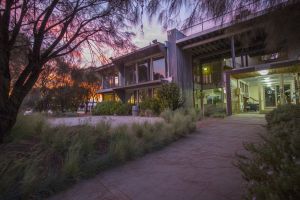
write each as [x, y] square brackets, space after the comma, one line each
[38, 160]
[272, 170]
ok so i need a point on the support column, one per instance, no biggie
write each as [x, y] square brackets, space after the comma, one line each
[233, 52]
[228, 94]
[259, 98]
[282, 100]
[242, 60]
[136, 73]
[297, 87]
[246, 56]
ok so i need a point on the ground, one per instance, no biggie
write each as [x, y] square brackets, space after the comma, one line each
[113, 120]
[198, 167]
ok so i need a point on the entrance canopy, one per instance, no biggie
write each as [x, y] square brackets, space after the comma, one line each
[287, 66]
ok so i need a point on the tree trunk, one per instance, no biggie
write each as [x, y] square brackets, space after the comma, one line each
[8, 118]
[86, 107]
[9, 107]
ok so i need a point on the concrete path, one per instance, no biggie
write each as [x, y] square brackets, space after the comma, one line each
[198, 167]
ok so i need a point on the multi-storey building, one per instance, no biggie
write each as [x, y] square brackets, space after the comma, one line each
[225, 61]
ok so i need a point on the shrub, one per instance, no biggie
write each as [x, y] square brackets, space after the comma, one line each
[49, 159]
[150, 106]
[167, 115]
[170, 96]
[212, 110]
[28, 126]
[218, 115]
[272, 170]
[123, 145]
[111, 108]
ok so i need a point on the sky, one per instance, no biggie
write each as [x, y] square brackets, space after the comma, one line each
[151, 32]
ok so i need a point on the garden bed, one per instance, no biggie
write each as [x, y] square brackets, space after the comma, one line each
[39, 160]
[272, 170]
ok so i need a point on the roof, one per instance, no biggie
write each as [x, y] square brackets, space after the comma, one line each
[136, 54]
[141, 52]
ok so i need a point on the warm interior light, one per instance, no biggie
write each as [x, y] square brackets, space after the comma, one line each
[205, 68]
[263, 72]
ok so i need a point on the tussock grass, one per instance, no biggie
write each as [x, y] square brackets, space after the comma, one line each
[272, 170]
[39, 160]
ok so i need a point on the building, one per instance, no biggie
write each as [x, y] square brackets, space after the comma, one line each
[225, 62]
[134, 76]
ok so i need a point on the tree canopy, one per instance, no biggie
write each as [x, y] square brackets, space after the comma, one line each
[48, 29]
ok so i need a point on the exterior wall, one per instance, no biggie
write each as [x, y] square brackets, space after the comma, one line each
[180, 66]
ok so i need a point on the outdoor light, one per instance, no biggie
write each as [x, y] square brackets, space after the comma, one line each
[205, 69]
[263, 72]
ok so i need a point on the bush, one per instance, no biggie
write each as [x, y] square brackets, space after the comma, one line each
[150, 106]
[111, 108]
[212, 110]
[50, 159]
[28, 126]
[123, 145]
[170, 96]
[272, 170]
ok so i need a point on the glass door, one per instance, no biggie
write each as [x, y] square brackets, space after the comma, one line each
[270, 96]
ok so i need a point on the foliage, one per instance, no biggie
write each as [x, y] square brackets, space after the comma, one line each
[27, 127]
[49, 159]
[218, 115]
[272, 170]
[39, 30]
[170, 96]
[150, 104]
[212, 110]
[112, 108]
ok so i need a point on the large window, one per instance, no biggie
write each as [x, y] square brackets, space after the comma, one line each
[130, 75]
[143, 71]
[110, 80]
[159, 69]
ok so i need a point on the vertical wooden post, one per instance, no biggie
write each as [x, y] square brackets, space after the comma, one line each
[233, 52]
[238, 94]
[136, 73]
[201, 88]
[259, 98]
[281, 89]
[242, 60]
[228, 94]
[297, 88]
[246, 59]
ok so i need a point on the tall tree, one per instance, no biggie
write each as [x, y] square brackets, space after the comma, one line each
[54, 28]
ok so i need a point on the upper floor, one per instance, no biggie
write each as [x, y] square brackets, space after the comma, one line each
[147, 65]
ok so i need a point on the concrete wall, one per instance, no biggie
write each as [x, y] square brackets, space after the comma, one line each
[180, 66]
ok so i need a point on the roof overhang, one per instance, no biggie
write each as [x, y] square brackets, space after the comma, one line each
[286, 66]
[133, 86]
[142, 52]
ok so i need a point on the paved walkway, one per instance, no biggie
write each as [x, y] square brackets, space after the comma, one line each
[198, 167]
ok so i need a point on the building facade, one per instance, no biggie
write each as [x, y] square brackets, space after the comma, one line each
[229, 65]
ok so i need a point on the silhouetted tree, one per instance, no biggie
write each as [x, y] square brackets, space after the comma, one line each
[54, 28]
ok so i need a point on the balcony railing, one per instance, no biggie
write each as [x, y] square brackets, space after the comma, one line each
[254, 9]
